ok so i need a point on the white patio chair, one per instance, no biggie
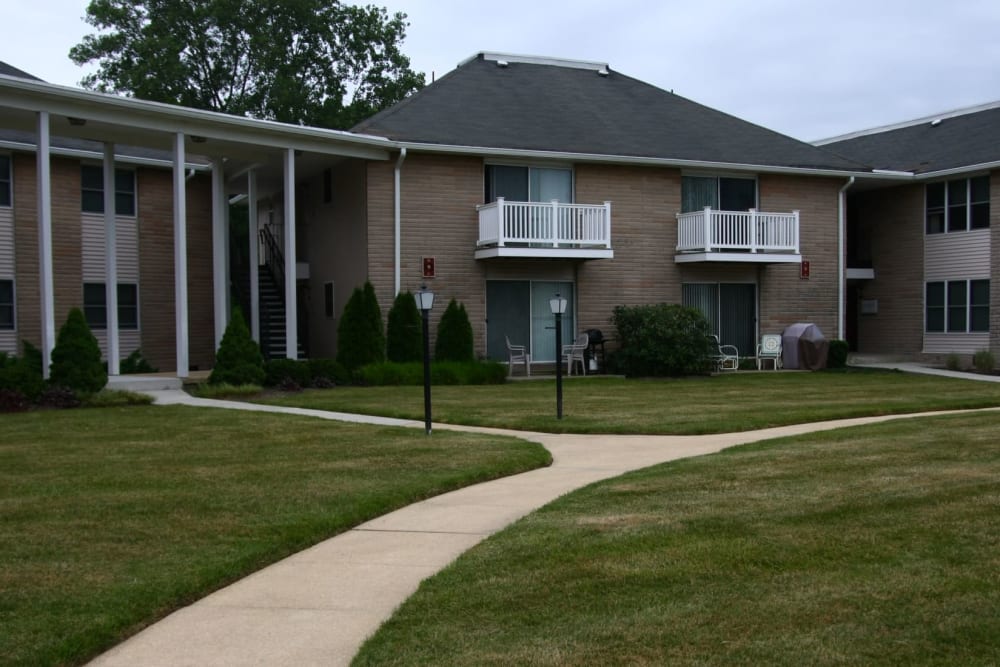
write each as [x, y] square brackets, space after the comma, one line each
[769, 349]
[517, 354]
[726, 357]
[573, 353]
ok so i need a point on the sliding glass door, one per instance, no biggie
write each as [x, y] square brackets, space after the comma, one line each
[519, 309]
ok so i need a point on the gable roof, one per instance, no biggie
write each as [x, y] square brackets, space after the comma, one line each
[10, 70]
[539, 104]
[948, 141]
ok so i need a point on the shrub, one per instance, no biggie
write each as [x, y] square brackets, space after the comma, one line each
[661, 340]
[11, 400]
[984, 361]
[76, 358]
[360, 336]
[837, 355]
[32, 356]
[391, 373]
[135, 363]
[404, 336]
[59, 397]
[238, 360]
[289, 385]
[19, 374]
[326, 373]
[225, 390]
[454, 335]
[277, 371]
[953, 362]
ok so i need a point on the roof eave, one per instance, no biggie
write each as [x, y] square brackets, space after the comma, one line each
[636, 160]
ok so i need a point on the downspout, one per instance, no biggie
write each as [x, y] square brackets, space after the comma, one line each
[395, 212]
[841, 250]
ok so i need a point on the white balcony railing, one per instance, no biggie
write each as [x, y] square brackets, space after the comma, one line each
[752, 231]
[554, 225]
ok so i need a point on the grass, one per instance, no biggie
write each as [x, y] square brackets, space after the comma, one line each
[111, 518]
[720, 404]
[875, 545]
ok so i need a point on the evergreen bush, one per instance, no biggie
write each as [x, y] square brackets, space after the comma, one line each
[837, 355]
[19, 375]
[277, 371]
[360, 334]
[454, 335]
[326, 373]
[76, 358]
[662, 340]
[984, 361]
[404, 338]
[135, 363]
[238, 360]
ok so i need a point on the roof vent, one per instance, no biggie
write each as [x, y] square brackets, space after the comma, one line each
[603, 72]
[935, 122]
[502, 63]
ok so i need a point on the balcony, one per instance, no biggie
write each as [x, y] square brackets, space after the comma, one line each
[738, 236]
[552, 231]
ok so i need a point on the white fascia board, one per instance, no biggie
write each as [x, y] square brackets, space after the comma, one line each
[744, 257]
[984, 166]
[167, 118]
[545, 253]
[96, 155]
[518, 153]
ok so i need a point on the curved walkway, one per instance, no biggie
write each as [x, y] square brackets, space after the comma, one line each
[318, 606]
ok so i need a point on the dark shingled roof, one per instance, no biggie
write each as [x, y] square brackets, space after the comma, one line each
[10, 70]
[959, 140]
[548, 107]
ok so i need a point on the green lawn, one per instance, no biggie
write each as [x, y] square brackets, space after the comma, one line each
[719, 404]
[111, 518]
[875, 545]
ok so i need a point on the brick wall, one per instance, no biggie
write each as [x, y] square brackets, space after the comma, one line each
[439, 220]
[784, 297]
[892, 219]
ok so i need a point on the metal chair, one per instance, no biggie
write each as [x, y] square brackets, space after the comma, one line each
[769, 349]
[517, 354]
[726, 357]
[575, 352]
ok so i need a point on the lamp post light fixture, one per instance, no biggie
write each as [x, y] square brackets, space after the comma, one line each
[425, 301]
[558, 306]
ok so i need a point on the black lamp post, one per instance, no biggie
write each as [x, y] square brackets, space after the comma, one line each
[558, 307]
[425, 301]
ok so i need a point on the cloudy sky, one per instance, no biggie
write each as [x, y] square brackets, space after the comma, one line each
[808, 68]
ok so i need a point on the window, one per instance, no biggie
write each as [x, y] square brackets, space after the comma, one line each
[6, 304]
[528, 184]
[958, 306]
[95, 306]
[725, 194]
[92, 190]
[958, 205]
[5, 180]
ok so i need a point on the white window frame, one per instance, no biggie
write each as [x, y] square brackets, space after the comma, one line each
[118, 170]
[718, 176]
[104, 325]
[946, 220]
[968, 305]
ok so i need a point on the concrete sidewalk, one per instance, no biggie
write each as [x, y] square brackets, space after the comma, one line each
[318, 606]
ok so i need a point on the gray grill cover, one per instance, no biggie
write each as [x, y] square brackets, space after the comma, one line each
[803, 345]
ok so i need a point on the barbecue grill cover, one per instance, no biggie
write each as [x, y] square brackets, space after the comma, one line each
[803, 345]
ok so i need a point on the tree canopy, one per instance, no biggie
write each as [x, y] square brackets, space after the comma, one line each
[311, 62]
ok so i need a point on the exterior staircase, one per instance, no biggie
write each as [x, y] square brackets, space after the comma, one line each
[272, 317]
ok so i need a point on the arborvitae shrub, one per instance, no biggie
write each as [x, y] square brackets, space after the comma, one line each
[360, 334]
[661, 339]
[836, 357]
[76, 358]
[404, 339]
[454, 335]
[238, 359]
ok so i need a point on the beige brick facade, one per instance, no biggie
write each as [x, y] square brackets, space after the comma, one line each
[154, 190]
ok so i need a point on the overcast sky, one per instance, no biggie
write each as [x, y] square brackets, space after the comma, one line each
[808, 68]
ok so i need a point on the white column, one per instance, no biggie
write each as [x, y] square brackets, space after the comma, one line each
[180, 257]
[220, 276]
[46, 295]
[111, 259]
[291, 306]
[254, 255]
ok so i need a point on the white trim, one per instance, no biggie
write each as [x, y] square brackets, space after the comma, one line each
[291, 263]
[254, 231]
[518, 153]
[546, 253]
[180, 258]
[842, 258]
[744, 257]
[95, 156]
[220, 277]
[499, 57]
[109, 176]
[46, 291]
[396, 219]
[954, 113]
